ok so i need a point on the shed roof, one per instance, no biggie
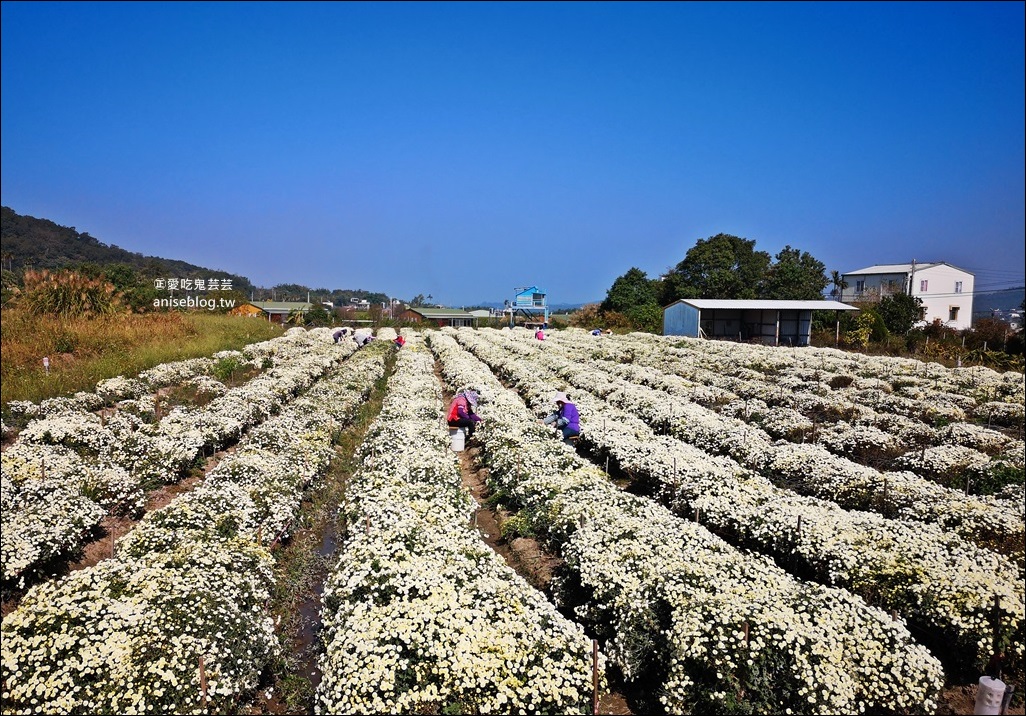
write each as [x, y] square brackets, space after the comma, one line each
[764, 304]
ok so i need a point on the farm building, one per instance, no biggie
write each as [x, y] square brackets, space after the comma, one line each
[945, 290]
[773, 323]
[439, 316]
[274, 311]
[529, 303]
[248, 310]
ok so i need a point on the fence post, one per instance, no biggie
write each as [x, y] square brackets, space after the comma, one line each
[203, 683]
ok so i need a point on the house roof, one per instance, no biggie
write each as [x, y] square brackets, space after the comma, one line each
[282, 306]
[530, 289]
[441, 312]
[764, 304]
[900, 268]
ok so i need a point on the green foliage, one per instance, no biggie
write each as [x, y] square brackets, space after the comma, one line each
[136, 292]
[900, 311]
[9, 285]
[722, 266]
[838, 283]
[631, 303]
[647, 317]
[729, 267]
[859, 335]
[41, 244]
[318, 316]
[998, 475]
[629, 291]
[796, 276]
[224, 369]
[519, 525]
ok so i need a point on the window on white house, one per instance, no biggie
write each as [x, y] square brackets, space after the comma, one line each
[922, 285]
[860, 286]
[958, 287]
[952, 313]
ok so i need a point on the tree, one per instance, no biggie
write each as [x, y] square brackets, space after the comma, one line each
[587, 316]
[900, 311]
[647, 317]
[318, 315]
[796, 276]
[722, 266]
[632, 290]
[838, 283]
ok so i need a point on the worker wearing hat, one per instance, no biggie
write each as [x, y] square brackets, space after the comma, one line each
[462, 411]
[565, 418]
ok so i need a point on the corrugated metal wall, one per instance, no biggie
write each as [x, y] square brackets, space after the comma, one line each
[680, 319]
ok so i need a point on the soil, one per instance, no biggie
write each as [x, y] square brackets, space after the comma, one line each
[961, 699]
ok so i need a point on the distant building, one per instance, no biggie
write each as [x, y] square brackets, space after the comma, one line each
[945, 290]
[274, 311]
[530, 303]
[248, 310]
[774, 323]
[438, 316]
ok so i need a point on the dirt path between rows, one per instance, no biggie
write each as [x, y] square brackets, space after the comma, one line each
[525, 555]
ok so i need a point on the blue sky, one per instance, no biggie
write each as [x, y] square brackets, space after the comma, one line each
[463, 150]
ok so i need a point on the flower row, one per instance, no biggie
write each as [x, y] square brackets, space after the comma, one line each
[679, 606]
[176, 621]
[64, 462]
[419, 615]
[952, 589]
[804, 468]
[802, 404]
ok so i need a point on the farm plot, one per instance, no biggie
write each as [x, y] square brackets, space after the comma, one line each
[703, 625]
[176, 620]
[419, 615]
[70, 466]
[920, 426]
[955, 593]
[805, 468]
[769, 601]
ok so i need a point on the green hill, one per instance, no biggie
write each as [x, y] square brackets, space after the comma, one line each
[31, 243]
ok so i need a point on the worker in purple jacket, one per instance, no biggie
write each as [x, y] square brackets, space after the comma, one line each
[566, 418]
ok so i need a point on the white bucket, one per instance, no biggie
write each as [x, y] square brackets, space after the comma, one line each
[989, 696]
[458, 437]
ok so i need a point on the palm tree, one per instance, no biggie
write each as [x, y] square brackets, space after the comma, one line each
[839, 284]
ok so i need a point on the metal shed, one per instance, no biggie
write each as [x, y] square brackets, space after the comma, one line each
[772, 323]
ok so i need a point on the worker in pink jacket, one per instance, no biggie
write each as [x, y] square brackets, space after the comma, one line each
[462, 411]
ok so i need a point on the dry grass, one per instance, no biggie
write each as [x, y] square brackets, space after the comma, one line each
[84, 351]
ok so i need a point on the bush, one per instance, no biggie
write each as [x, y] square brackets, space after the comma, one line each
[67, 294]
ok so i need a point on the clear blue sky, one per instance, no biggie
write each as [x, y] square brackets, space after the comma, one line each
[463, 150]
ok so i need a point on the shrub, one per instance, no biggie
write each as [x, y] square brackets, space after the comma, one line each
[68, 294]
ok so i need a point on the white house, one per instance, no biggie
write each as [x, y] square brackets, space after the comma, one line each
[945, 290]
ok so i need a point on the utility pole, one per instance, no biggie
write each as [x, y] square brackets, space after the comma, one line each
[912, 277]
